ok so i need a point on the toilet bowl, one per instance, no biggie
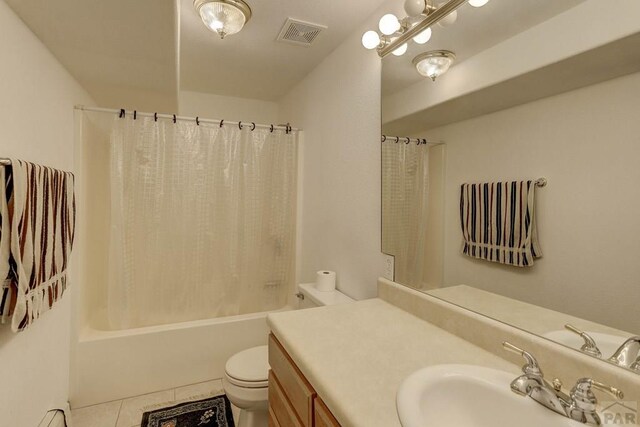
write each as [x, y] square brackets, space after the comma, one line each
[246, 384]
[246, 374]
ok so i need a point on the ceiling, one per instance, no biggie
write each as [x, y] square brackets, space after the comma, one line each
[135, 54]
[120, 51]
[252, 64]
[475, 30]
[140, 54]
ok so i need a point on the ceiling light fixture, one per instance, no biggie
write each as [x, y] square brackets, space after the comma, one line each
[434, 63]
[224, 17]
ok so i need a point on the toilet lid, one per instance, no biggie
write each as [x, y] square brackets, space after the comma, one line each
[249, 366]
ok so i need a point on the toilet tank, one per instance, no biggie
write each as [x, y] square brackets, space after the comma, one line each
[309, 296]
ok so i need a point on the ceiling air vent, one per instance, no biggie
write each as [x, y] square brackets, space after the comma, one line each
[299, 32]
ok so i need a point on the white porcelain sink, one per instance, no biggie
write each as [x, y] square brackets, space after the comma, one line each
[608, 344]
[469, 396]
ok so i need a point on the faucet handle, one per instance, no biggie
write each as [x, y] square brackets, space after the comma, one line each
[589, 347]
[532, 367]
[584, 402]
[582, 392]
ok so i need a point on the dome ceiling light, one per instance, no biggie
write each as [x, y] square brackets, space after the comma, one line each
[223, 17]
[434, 63]
[394, 33]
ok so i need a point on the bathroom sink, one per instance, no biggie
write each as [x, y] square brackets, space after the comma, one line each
[608, 344]
[469, 396]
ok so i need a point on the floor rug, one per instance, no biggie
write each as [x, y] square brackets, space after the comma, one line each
[212, 412]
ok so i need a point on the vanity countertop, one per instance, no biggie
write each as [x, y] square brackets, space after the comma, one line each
[357, 355]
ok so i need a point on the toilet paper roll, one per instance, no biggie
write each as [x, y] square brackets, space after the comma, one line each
[326, 281]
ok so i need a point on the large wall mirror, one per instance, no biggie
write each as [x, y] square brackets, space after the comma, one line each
[534, 92]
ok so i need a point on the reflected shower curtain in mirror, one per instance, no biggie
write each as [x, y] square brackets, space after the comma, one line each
[202, 221]
[405, 191]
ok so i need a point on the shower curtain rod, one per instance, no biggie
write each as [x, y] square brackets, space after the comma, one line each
[185, 118]
[407, 140]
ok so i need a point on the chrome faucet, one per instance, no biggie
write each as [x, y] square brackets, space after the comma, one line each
[628, 355]
[589, 347]
[580, 405]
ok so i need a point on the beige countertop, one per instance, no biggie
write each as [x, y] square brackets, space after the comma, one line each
[357, 355]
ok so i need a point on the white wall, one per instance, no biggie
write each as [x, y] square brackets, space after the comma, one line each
[210, 106]
[36, 124]
[587, 144]
[338, 106]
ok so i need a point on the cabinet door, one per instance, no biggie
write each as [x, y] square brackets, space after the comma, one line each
[283, 413]
[294, 385]
[322, 416]
[273, 421]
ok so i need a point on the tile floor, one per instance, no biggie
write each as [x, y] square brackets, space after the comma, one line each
[128, 412]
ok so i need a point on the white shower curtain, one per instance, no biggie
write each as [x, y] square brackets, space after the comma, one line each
[202, 221]
[405, 195]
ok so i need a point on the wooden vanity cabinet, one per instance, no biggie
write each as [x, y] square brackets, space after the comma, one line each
[292, 400]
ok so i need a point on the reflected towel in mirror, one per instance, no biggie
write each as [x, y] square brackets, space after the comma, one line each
[498, 222]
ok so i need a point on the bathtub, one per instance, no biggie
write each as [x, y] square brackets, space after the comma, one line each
[112, 365]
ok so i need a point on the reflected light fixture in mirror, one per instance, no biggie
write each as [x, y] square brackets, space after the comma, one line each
[434, 63]
[223, 17]
[478, 3]
[401, 50]
[389, 24]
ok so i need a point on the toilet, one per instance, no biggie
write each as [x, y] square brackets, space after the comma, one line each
[246, 374]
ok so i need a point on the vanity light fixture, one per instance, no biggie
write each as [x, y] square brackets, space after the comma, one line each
[434, 63]
[395, 33]
[224, 17]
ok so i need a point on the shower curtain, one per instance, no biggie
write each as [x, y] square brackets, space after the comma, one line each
[202, 221]
[405, 191]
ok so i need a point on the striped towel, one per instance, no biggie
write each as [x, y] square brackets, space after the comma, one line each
[498, 222]
[37, 225]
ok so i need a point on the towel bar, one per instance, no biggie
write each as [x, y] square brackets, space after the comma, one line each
[541, 182]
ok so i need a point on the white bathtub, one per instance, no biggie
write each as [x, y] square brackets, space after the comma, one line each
[112, 365]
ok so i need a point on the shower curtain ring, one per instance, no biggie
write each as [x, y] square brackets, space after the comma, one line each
[240, 125]
[271, 128]
[253, 126]
[408, 140]
[135, 115]
[122, 113]
[384, 138]
[198, 121]
[397, 139]
[174, 118]
[155, 117]
[221, 122]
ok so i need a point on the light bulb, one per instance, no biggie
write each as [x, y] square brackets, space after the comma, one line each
[414, 7]
[423, 37]
[389, 24]
[371, 40]
[401, 50]
[478, 3]
[450, 19]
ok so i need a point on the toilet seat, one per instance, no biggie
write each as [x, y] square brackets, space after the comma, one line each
[249, 368]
